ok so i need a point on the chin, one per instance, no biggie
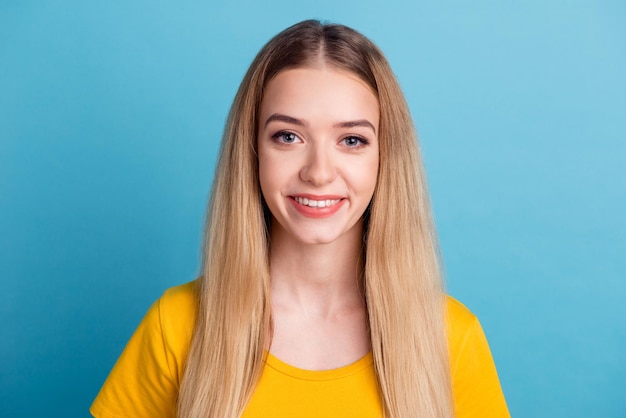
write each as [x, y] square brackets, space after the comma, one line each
[318, 240]
[326, 236]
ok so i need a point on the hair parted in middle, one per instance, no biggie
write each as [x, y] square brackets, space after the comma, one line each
[401, 275]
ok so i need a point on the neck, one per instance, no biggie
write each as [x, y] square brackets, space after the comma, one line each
[318, 279]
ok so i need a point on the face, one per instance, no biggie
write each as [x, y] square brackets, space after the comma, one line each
[318, 153]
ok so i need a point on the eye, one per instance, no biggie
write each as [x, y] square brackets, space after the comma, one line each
[286, 137]
[354, 141]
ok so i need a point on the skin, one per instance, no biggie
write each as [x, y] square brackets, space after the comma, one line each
[318, 139]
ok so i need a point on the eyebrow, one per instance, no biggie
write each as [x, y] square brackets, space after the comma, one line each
[284, 118]
[353, 123]
[295, 121]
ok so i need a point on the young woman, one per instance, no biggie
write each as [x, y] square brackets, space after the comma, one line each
[321, 293]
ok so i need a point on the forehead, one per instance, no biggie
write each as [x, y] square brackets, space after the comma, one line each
[319, 93]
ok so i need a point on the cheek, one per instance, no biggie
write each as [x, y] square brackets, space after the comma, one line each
[370, 176]
[263, 168]
[265, 176]
[274, 176]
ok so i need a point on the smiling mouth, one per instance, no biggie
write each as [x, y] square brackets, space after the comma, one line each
[316, 203]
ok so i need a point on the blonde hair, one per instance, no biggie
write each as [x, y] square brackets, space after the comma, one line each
[403, 287]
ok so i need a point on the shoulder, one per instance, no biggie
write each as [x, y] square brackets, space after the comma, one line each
[179, 304]
[458, 317]
[476, 387]
[145, 379]
[462, 327]
[177, 310]
[457, 312]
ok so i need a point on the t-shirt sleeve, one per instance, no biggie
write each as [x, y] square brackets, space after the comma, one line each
[475, 383]
[144, 382]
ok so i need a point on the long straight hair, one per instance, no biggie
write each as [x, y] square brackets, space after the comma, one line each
[402, 280]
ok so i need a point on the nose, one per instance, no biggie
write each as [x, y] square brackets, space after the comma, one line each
[319, 168]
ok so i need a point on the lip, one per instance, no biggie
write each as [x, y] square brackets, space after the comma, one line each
[311, 212]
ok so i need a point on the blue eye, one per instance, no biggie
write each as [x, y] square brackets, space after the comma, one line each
[286, 137]
[354, 141]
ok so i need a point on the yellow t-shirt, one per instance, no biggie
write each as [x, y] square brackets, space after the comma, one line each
[145, 380]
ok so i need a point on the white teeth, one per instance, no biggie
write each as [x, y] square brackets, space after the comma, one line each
[316, 203]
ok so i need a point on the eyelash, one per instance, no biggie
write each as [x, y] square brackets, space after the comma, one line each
[280, 135]
[363, 141]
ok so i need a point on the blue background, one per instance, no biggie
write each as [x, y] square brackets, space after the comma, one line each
[110, 118]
